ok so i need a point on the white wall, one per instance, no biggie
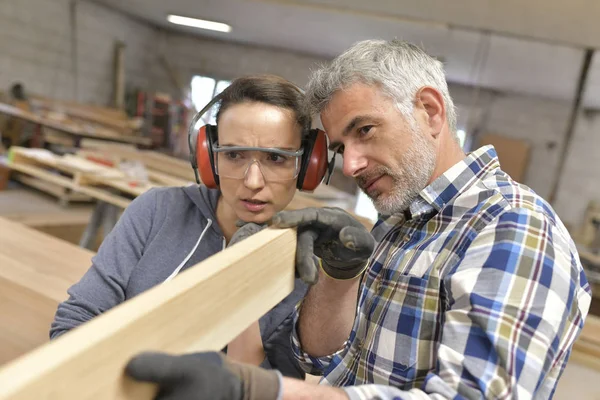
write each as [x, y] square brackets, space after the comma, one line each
[191, 56]
[540, 122]
[580, 181]
[35, 48]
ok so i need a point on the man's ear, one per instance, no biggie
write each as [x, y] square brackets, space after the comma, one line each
[431, 100]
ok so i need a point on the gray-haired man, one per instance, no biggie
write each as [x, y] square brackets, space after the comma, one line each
[474, 290]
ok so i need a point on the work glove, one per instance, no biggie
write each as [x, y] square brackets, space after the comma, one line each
[342, 244]
[203, 376]
[246, 229]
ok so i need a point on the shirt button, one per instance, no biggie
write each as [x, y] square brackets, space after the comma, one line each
[406, 238]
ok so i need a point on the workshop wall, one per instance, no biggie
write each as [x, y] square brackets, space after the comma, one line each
[36, 48]
[540, 122]
[190, 56]
[580, 181]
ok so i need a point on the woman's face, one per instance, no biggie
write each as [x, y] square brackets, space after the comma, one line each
[252, 197]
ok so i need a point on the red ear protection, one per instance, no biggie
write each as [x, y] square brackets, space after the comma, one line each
[314, 161]
[207, 135]
[313, 167]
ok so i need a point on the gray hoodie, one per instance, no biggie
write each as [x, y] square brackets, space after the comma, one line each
[162, 232]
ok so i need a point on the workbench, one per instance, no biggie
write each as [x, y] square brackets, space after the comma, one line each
[36, 270]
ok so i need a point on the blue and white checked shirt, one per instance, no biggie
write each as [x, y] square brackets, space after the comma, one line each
[480, 294]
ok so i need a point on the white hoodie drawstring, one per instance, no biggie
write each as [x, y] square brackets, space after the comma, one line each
[186, 259]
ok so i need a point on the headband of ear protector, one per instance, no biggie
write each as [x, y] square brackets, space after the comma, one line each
[313, 165]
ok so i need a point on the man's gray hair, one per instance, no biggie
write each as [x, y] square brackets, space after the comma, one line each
[398, 67]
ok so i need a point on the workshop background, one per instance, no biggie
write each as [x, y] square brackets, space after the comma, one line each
[96, 97]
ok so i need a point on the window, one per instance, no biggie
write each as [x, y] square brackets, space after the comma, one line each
[364, 207]
[204, 89]
[462, 137]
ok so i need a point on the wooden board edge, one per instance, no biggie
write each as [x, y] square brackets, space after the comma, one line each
[229, 290]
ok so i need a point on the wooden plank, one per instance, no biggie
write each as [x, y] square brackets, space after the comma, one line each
[168, 164]
[71, 129]
[35, 272]
[46, 187]
[245, 281]
[166, 179]
[163, 163]
[107, 112]
[105, 196]
[98, 194]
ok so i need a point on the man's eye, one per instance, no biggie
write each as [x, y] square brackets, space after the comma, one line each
[365, 130]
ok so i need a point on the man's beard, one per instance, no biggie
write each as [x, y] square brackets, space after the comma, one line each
[415, 168]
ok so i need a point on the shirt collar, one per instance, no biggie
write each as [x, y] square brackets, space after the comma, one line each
[449, 185]
[459, 177]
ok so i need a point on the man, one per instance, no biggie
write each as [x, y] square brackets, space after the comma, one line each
[474, 290]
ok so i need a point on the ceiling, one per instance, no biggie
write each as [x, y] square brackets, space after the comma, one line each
[533, 46]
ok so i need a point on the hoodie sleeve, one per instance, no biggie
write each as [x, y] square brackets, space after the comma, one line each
[103, 285]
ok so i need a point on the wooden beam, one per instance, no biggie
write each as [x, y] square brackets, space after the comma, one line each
[203, 308]
[75, 130]
[36, 270]
[119, 78]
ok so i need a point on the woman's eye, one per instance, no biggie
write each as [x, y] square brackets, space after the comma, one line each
[232, 155]
[276, 158]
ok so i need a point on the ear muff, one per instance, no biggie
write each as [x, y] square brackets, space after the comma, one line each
[201, 143]
[314, 161]
[207, 136]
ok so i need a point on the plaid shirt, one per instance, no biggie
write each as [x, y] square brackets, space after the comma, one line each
[479, 294]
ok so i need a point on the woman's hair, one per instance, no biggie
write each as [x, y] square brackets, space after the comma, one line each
[268, 89]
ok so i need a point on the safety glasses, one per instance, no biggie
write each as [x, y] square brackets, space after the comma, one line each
[275, 164]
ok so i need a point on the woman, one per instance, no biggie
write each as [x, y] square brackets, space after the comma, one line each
[261, 152]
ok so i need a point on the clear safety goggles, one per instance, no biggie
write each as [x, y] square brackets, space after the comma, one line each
[275, 164]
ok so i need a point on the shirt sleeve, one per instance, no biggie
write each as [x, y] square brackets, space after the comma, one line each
[103, 286]
[309, 364]
[515, 303]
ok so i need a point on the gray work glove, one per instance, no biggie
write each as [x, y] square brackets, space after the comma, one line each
[203, 376]
[342, 243]
[246, 229]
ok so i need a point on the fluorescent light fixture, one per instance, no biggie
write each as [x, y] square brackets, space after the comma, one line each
[199, 23]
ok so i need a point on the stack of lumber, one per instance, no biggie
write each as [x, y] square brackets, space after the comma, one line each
[103, 117]
[114, 153]
[73, 126]
[81, 175]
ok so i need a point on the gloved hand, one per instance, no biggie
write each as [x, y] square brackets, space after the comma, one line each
[246, 229]
[342, 243]
[203, 376]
